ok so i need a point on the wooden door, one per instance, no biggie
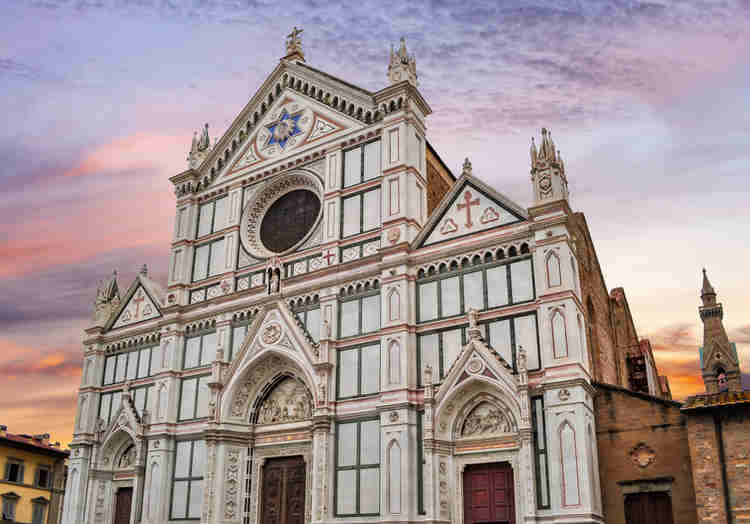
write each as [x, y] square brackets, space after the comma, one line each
[648, 508]
[123, 502]
[283, 491]
[488, 494]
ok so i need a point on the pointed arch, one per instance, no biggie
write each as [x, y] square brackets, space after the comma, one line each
[161, 402]
[571, 495]
[559, 334]
[394, 362]
[394, 304]
[554, 274]
[82, 413]
[154, 492]
[394, 477]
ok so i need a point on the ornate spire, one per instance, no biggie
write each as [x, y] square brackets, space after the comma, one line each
[107, 299]
[720, 364]
[547, 170]
[199, 148]
[144, 270]
[402, 65]
[707, 291]
[294, 45]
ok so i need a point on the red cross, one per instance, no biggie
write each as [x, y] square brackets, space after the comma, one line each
[328, 256]
[139, 298]
[468, 203]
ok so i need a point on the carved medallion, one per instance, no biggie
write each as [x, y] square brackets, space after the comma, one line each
[642, 455]
[393, 235]
[271, 334]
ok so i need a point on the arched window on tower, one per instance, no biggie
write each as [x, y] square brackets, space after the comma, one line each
[721, 379]
[559, 335]
[554, 276]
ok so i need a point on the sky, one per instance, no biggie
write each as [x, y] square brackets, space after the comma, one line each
[649, 103]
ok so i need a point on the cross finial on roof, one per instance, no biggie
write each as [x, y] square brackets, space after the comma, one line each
[294, 44]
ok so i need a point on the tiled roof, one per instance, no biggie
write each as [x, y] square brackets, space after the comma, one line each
[30, 441]
[714, 400]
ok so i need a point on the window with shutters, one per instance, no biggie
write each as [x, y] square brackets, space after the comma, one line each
[10, 500]
[42, 477]
[14, 470]
[38, 509]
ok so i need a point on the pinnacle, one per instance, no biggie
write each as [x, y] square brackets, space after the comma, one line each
[707, 287]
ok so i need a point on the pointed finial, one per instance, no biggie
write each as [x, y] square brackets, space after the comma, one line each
[144, 270]
[707, 288]
[532, 152]
[466, 170]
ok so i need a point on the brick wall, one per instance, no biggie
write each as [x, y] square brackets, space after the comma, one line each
[705, 455]
[637, 426]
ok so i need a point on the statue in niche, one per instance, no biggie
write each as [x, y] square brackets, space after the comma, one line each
[485, 420]
[288, 402]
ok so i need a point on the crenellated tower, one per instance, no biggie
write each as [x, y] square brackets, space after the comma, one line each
[720, 364]
[547, 171]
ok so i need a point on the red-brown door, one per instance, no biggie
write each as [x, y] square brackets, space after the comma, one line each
[124, 500]
[648, 508]
[283, 491]
[488, 494]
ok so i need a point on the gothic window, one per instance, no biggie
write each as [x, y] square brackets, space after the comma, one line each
[362, 163]
[212, 216]
[394, 477]
[439, 349]
[569, 465]
[358, 371]
[361, 212]
[135, 364]
[456, 292]
[14, 470]
[309, 316]
[358, 468]
[394, 305]
[559, 335]
[187, 483]
[10, 500]
[200, 350]
[394, 363]
[209, 260]
[554, 276]
[359, 315]
[540, 452]
[239, 331]
[194, 396]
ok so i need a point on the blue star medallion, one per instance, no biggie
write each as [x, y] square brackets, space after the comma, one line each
[284, 128]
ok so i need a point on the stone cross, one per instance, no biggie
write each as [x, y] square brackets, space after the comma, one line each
[468, 202]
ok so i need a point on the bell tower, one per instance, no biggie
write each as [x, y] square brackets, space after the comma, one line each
[720, 364]
[547, 171]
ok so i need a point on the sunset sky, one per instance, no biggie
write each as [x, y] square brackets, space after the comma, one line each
[649, 103]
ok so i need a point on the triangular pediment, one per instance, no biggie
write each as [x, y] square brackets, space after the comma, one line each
[276, 328]
[141, 303]
[477, 360]
[292, 123]
[330, 106]
[471, 206]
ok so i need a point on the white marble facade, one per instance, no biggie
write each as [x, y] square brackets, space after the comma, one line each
[391, 350]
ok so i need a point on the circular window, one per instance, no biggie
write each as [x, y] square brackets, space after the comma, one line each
[289, 220]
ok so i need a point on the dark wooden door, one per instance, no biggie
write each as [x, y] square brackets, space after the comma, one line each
[283, 491]
[648, 508]
[122, 505]
[488, 494]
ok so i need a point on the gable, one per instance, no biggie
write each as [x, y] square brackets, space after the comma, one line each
[139, 307]
[292, 123]
[469, 208]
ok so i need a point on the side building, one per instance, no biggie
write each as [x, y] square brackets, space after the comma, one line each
[351, 333]
[33, 480]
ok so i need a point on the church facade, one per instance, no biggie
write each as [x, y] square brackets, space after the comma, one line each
[350, 333]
